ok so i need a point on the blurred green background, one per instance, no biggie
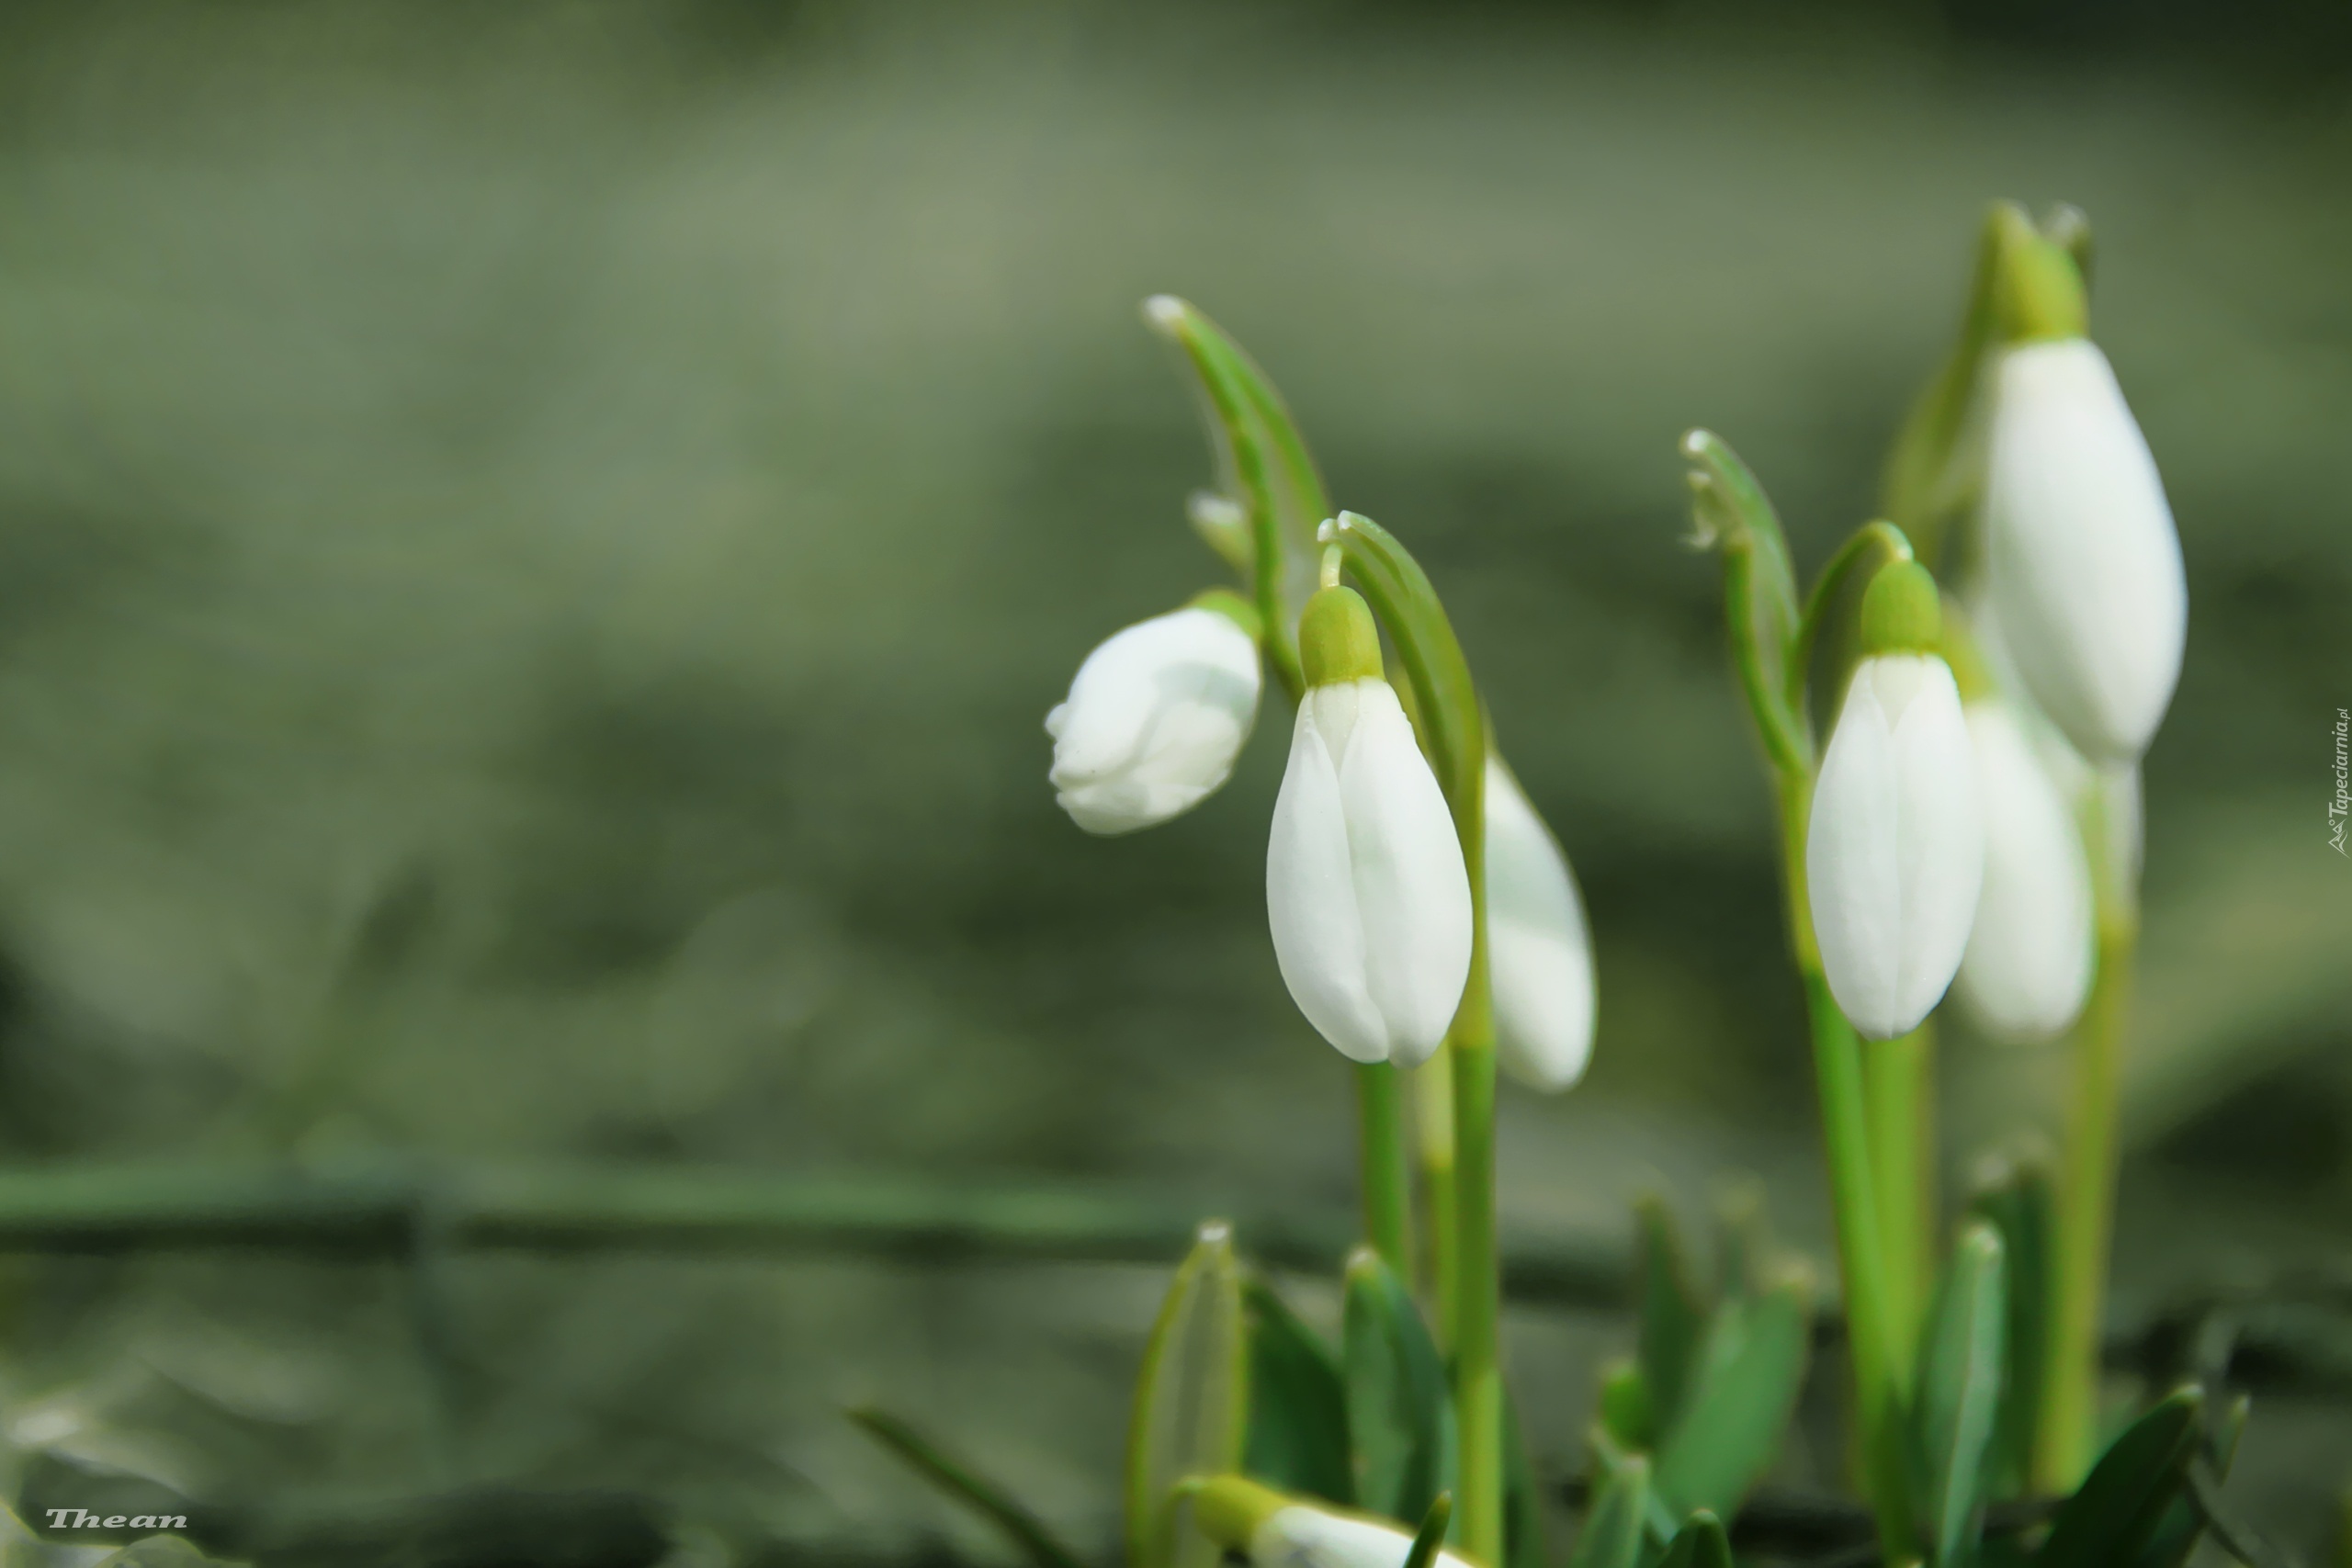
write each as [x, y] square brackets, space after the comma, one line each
[536, 541]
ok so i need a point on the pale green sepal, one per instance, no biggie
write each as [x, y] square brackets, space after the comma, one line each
[1730, 513]
[1227, 1509]
[1833, 611]
[1959, 1379]
[2037, 294]
[1192, 1403]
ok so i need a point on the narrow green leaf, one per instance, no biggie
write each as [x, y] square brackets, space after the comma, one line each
[1730, 512]
[1522, 1498]
[2176, 1534]
[1745, 1252]
[1699, 1543]
[2233, 1534]
[1626, 1413]
[1671, 1317]
[1192, 1403]
[1430, 1539]
[1744, 1391]
[1958, 1386]
[1615, 1525]
[2017, 1201]
[967, 1486]
[1298, 1403]
[2105, 1523]
[1400, 1417]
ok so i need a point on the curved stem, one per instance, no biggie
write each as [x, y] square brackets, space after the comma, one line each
[1877, 543]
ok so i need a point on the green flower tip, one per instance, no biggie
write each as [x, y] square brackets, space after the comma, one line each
[1338, 639]
[1902, 613]
[2039, 290]
[1232, 606]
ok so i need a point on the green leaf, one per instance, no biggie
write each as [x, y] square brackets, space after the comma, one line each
[1671, 1316]
[1192, 1403]
[1745, 1252]
[1729, 510]
[967, 1486]
[1298, 1403]
[1699, 1543]
[1626, 1413]
[1522, 1498]
[2116, 1513]
[2175, 1535]
[1615, 1524]
[1400, 1418]
[1430, 1539]
[2016, 1199]
[1958, 1386]
[1744, 1391]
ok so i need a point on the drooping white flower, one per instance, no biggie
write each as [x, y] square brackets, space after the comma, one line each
[1539, 952]
[1277, 1531]
[1365, 889]
[2083, 561]
[2028, 967]
[1156, 717]
[1894, 848]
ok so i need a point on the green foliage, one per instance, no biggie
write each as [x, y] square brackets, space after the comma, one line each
[1616, 1524]
[965, 1485]
[1699, 1543]
[1298, 1403]
[1671, 1318]
[1430, 1539]
[1191, 1404]
[2016, 1199]
[1744, 1389]
[1732, 515]
[1959, 1392]
[2117, 1511]
[1400, 1414]
[1522, 1497]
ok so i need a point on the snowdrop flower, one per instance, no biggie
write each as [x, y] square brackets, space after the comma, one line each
[1894, 851]
[1365, 888]
[2028, 967]
[1277, 1531]
[1538, 951]
[2084, 562]
[1157, 716]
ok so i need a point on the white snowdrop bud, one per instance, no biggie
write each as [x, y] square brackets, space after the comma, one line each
[2080, 549]
[1894, 849]
[1365, 889]
[1277, 1531]
[2028, 967]
[1539, 952]
[1157, 716]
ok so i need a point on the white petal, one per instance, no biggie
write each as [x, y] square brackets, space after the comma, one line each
[1538, 949]
[2028, 967]
[1894, 850]
[2084, 560]
[1301, 1536]
[1311, 900]
[1154, 721]
[1412, 890]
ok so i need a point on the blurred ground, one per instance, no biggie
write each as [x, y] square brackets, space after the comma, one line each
[535, 543]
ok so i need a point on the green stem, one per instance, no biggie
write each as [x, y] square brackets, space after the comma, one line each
[1477, 1308]
[1434, 1103]
[1898, 1094]
[2069, 1426]
[1387, 1191]
[1879, 1375]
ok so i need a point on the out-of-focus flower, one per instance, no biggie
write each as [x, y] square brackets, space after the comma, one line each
[1157, 716]
[1365, 889]
[2028, 967]
[2084, 562]
[1277, 1531]
[1538, 949]
[1894, 849]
